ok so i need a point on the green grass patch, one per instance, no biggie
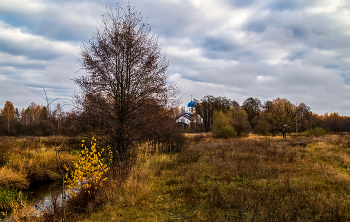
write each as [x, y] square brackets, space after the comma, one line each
[9, 197]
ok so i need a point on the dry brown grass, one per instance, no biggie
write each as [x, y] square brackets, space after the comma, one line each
[41, 165]
[33, 158]
[249, 179]
[12, 179]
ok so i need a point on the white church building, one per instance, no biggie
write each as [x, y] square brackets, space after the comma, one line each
[190, 116]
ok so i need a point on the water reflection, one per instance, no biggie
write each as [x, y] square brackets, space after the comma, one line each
[43, 197]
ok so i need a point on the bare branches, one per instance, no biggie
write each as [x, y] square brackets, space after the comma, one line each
[125, 77]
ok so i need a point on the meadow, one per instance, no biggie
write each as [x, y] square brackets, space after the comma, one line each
[242, 179]
[247, 179]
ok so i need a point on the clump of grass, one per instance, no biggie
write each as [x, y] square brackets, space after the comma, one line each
[12, 179]
[40, 166]
[227, 132]
[34, 158]
[9, 198]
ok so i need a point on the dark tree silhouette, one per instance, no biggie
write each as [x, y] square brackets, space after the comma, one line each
[235, 104]
[124, 86]
[252, 107]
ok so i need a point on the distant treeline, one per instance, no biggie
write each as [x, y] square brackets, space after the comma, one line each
[269, 117]
[35, 120]
[266, 118]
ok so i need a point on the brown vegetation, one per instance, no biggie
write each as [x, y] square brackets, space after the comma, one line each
[30, 160]
[253, 179]
[12, 179]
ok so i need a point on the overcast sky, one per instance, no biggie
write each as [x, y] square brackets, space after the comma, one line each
[294, 49]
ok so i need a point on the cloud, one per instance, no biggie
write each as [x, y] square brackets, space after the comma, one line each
[198, 89]
[266, 49]
[17, 42]
[29, 63]
[54, 20]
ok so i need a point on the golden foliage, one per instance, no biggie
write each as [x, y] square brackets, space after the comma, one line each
[90, 169]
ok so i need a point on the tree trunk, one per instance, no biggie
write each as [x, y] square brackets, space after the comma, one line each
[8, 125]
[284, 132]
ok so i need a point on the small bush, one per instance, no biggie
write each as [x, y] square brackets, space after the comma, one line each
[316, 131]
[90, 170]
[227, 132]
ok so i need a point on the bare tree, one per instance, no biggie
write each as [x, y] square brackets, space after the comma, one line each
[124, 86]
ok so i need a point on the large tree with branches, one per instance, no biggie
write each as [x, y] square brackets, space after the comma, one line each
[279, 116]
[124, 85]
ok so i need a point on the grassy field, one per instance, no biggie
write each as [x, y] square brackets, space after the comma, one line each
[250, 179]
[247, 179]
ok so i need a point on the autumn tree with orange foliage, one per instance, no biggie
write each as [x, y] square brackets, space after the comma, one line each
[332, 122]
[8, 112]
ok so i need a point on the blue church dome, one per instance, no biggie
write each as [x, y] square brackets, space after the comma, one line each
[191, 104]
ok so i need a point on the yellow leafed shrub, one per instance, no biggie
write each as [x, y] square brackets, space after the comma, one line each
[89, 170]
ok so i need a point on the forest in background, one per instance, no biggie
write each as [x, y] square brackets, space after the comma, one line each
[263, 118]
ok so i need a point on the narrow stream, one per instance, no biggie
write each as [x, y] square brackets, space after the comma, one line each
[40, 196]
